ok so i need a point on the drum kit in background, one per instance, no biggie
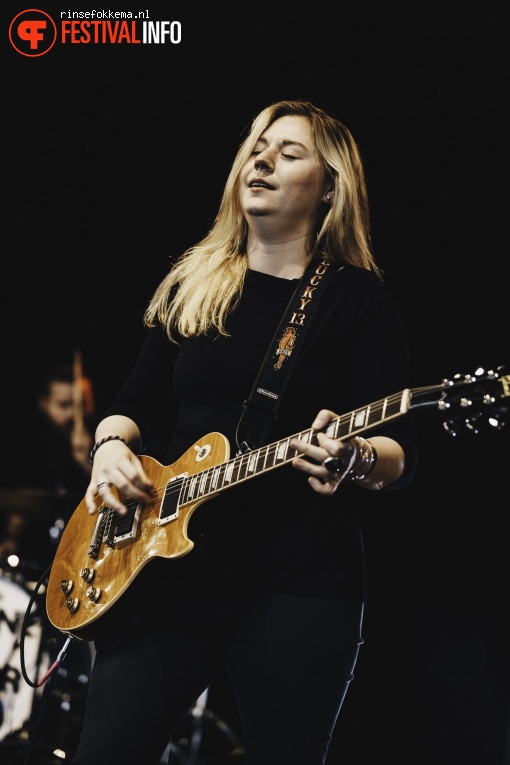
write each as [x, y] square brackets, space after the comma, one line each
[40, 724]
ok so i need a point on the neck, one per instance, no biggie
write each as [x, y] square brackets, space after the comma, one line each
[287, 260]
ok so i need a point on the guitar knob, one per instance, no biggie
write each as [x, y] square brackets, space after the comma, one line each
[72, 604]
[66, 585]
[87, 574]
[93, 593]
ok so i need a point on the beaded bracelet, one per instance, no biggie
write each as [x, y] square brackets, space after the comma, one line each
[365, 461]
[101, 442]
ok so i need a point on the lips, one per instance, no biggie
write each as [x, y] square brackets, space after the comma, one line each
[259, 184]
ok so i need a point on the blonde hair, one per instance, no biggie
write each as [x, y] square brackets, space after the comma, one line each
[205, 283]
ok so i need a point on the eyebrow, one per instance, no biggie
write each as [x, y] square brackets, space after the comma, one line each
[285, 142]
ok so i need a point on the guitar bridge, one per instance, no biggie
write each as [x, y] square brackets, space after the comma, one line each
[108, 529]
[97, 534]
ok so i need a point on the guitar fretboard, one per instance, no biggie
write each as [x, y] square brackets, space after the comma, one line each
[253, 463]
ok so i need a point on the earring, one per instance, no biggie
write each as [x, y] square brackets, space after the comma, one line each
[328, 198]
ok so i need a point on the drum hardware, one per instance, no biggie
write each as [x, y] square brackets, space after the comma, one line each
[42, 694]
[34, 519]
[200, 731]
[28, 666]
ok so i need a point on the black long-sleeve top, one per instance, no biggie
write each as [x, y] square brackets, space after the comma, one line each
[274, 531]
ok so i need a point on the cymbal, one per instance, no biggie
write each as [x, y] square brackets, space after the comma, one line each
[27, 500]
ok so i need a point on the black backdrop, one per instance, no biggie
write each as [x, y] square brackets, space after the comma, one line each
[114, 159]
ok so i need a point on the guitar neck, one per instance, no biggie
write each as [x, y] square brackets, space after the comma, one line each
[245, 466]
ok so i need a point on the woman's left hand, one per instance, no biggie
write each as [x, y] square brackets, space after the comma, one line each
[322, 479]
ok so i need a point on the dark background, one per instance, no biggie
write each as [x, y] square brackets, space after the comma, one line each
[114, 160]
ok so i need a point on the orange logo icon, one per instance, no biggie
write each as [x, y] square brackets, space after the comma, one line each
[32, 33]
[285, 346]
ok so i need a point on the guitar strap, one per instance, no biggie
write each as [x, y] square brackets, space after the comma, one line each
[261, 407]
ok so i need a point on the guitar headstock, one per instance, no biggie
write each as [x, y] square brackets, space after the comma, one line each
[469, 402]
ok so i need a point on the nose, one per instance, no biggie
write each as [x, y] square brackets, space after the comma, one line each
[263, 161]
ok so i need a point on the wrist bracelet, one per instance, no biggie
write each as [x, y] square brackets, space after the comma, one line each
[365, 462]
[101, 442]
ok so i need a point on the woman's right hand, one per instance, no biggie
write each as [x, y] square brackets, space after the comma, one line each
[117, 473]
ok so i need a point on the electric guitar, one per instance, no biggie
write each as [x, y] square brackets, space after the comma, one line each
[99, 556]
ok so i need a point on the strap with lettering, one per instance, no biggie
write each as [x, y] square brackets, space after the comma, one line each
[261, 407]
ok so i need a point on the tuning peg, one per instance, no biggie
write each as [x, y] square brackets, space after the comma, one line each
[451, 427]
[473, 423]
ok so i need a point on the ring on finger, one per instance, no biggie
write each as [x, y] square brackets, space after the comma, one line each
[103, 483]
[334, 464]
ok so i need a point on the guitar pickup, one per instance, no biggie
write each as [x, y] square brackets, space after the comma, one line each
[126, 526]
[170, 504]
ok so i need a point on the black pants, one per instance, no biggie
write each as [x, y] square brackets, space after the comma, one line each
[290, 660]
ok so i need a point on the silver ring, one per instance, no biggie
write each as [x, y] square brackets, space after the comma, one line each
[337, 464]
[103, 483]
[334, 464]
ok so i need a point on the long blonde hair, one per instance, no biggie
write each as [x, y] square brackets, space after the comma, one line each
[205, 283]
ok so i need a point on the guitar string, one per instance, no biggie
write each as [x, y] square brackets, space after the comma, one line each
[271, 449]
[252, 458]
[268, 453]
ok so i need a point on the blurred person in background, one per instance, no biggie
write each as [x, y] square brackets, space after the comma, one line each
[48, 467]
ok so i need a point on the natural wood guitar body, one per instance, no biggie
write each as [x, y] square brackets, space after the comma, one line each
[116, 567]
